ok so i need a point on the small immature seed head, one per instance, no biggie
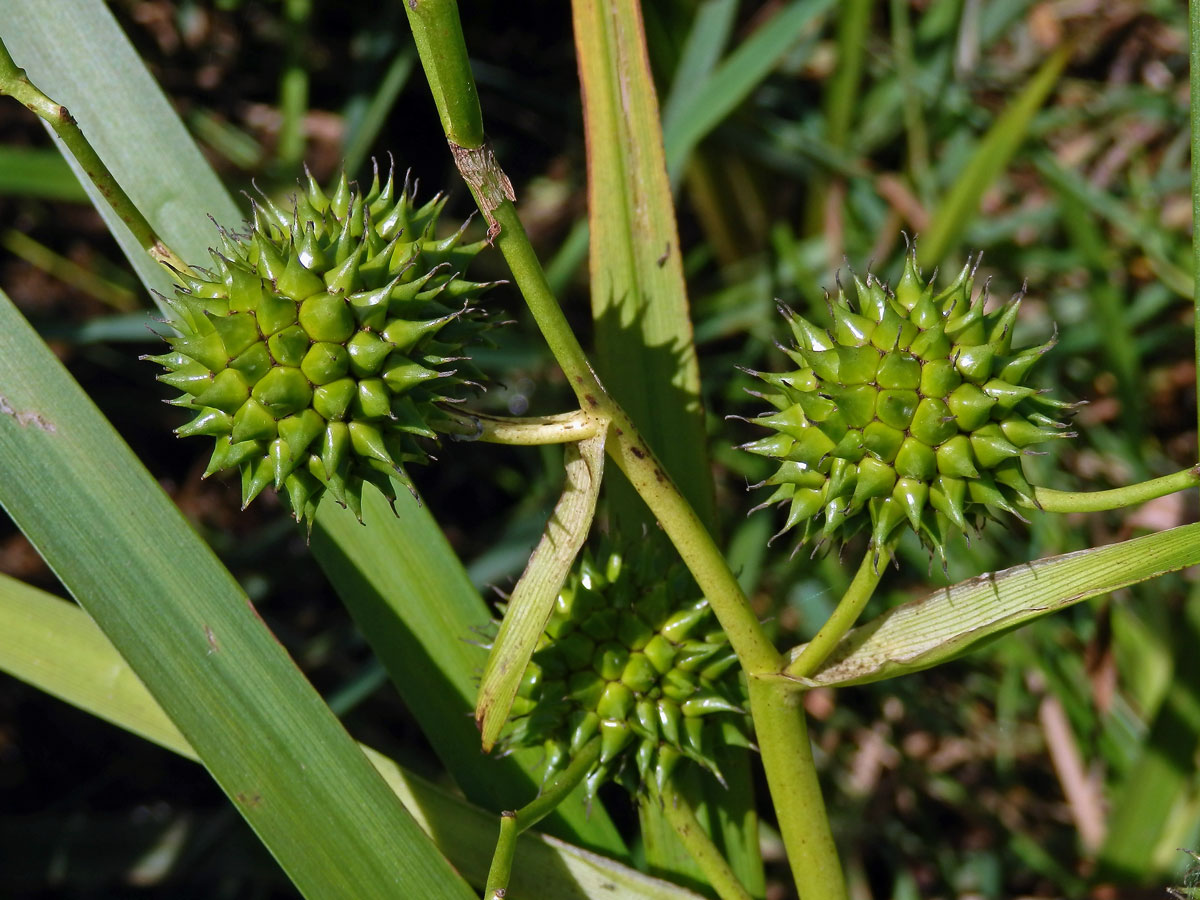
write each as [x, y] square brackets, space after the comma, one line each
[636, 658]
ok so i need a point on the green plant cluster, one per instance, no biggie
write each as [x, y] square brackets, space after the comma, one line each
[318, 347]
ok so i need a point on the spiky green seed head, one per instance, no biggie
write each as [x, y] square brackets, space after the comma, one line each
[634, 657]
[317, 348]
[911, 411]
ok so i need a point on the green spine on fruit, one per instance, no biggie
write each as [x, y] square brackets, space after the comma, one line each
[631, 655]
[911, 411]
[317, 348]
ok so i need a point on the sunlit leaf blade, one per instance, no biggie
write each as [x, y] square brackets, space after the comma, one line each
[952, 620]
[645, 347]
[639, 301]
[76, 51]
[175, 613]
[54, 645]
[996, 148]
[532, 600]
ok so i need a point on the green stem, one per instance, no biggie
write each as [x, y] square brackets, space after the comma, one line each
[848, 610]
[293, 86]
[914, 122]
[563, 428]
[439, 42]
[1099, 501]
[16, 84]
[705, 853]
[1194, 117]
[512, 824]
[782, 735]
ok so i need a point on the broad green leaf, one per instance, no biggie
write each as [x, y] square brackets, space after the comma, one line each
[952, 620]
[175, 613]
[54, 645]
[532, 600]
[646, 355]
[996, 148]
[75, 51]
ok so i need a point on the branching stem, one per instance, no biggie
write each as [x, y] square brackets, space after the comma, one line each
[1117, 498]
[563, 428]
[848, 610]
[16, 84]
[512, 824]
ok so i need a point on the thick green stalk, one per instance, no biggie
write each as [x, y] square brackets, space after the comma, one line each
[693, 836]
[16, 84]
[1117, 498]
[512, 824]
[782, 734]
[779, 720]
[848, 610]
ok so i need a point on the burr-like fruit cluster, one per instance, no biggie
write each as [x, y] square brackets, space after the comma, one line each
[318, 347]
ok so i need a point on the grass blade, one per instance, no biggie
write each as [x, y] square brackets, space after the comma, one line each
[54, 645]
[996, 148]
[703, 108]
[948, 623]
[38, 173]
[645, 345]
[185, 626]
[532, 599]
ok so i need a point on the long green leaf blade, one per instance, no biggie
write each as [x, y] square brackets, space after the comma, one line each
[646, 351]
[127, 554]
[947, 623]
[694, 110]
[54, 645]
[995, 150]
[639, 300]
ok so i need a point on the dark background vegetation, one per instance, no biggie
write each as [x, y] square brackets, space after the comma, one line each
[995, 776]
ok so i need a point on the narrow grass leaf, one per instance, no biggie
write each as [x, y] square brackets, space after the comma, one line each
[701, 108]
[1143, 812]
[994, 152]
[951, 621]
[175, 613]
[532, 600]
[53, 645]
[29, 172]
